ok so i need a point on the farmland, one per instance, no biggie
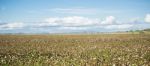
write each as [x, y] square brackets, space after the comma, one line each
[75, 50]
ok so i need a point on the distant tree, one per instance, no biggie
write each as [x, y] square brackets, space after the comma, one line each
[137, 30]
[141, 32]
[131, 31]
[146, 29]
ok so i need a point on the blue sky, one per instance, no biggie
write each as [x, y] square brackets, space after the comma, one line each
[60, 16]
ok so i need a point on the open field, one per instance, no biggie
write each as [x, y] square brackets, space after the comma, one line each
[75, 50]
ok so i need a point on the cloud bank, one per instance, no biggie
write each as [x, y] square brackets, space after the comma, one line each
[75, 24]
[10, 26]
[73, 21]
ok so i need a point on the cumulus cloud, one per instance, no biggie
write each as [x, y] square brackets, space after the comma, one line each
[78, 22]
[147, 18]
[9, 26]
[71, 21]
[109, 20]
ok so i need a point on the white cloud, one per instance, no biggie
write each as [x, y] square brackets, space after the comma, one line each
[72, 21]
[147, 18]
[109, 20]
[84, 23]
[50, 22]
[9, 26]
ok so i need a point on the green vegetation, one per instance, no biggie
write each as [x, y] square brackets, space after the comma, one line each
[75, 50]
[145, 31]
